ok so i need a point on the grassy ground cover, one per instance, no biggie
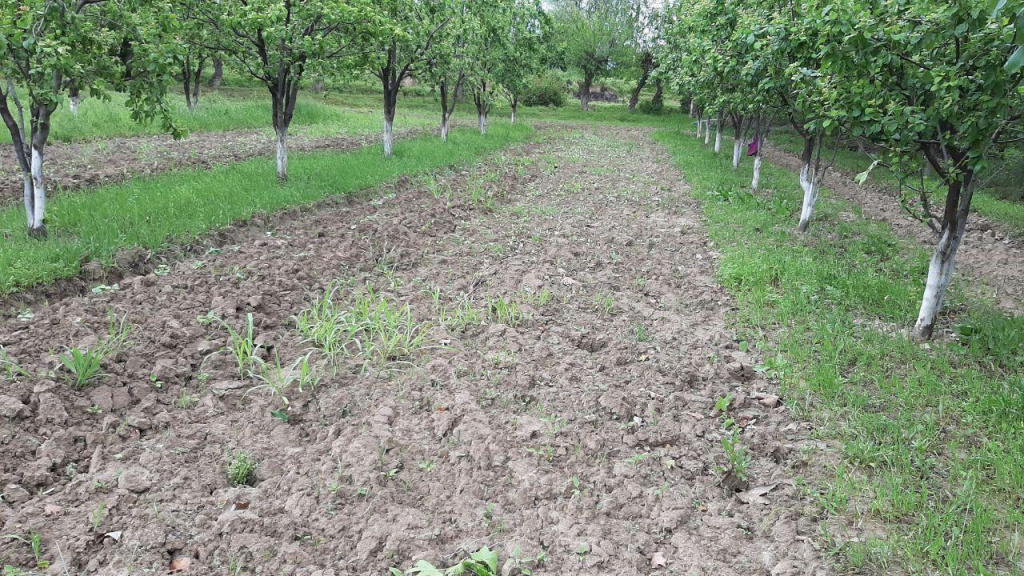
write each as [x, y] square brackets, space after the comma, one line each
[328, 114]
[930, 473]
[987, 202]
[173, 208]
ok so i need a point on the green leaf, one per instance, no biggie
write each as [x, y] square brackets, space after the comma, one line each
[280, 415]
[1016, 61]
[863, 176]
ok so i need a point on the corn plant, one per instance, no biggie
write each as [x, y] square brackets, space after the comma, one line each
[504, 312]
[242, 345]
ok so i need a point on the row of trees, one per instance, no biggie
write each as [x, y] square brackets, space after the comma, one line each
[927, 86]
[56, 49]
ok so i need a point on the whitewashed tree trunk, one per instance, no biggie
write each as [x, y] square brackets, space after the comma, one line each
[737, 149]
[36, 225]
[73, 103]
[811, 183]
[755, 184]
[389, 137]
[29, 199]
[693, 107]
[718, 138]
[445, 126]
[700, 128]
[940, 272]
[707, 132]
[515, 112]
[282, 154]
[483, 123]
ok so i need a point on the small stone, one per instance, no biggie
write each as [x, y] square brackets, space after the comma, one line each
[10, 407]
[51, 409]
[135, 479]
[15, 494]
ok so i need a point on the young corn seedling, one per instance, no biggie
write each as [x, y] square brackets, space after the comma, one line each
[242, 345]
[504, 312]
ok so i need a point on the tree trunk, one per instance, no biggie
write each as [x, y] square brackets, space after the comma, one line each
[515, 109]
[645, 73]
[809, 182]
[707, 132]
[29, 198]
[692, 107]
[658, 100]
[318, 86]
[943, 262]
[737, 142]
[389, 136]
[445, 125]
[718, 136]
[700, 126]
[588, 81]
[74, 100]
[196, 84]
[390, 104]
[282, 153]
[755, 184]
[218, 73]
[37, 222]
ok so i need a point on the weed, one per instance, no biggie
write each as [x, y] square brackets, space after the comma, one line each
[97, 515]
[605, 304]
[35, 542]
[242, 345]
[504, 312]
[462, 316]
[723, 403]
[640, 331]
[737, 455]
[84, 365]
[370, 325]
[242, 468]
[483, 562]
[9, 368]
[185, 400]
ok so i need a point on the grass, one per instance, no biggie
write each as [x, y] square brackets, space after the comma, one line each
[930, 474]
[153, 213]
[316, 115]
[221, 111]
[987, 202]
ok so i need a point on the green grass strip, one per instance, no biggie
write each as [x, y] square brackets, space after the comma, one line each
[931, 467]
[155, 212]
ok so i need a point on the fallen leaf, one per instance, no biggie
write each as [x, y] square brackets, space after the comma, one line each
[756, 495]
[658, 560]
[769, 400]
[232, 506]
[115, 536]
[181, 564]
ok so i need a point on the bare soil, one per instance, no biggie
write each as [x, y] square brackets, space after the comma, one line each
[987, 254]
[74, 166]
[580, 438]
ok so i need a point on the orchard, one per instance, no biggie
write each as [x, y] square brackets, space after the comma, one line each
[415, 287]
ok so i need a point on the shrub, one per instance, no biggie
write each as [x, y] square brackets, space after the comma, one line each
[651, 107]
[545, 90]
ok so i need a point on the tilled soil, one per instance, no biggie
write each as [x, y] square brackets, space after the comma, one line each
[986, 254]
[73, 166]
[575, 432]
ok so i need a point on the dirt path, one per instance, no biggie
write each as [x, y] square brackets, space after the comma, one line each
[73, 166]
[575, 432]
[985, 254]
